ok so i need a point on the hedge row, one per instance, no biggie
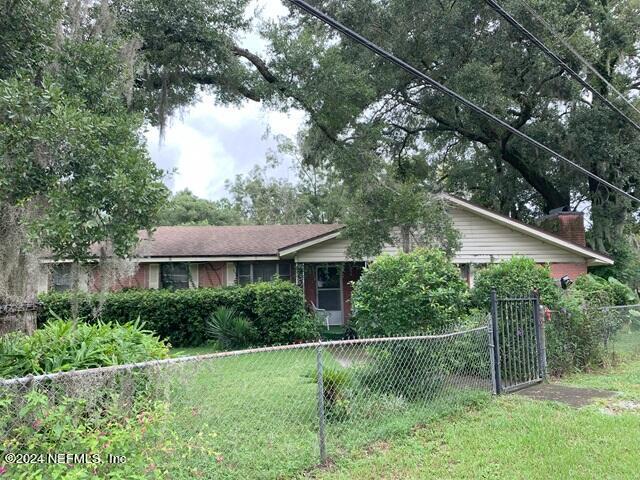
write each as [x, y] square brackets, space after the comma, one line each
[277, 309]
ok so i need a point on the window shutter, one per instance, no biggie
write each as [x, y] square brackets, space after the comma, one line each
[154, 276]
[43, 279]
[231, 273]
[194, 275]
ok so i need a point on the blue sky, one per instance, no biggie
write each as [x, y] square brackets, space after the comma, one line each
[208, 143]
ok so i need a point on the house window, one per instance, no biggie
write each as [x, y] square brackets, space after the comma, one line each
[61, 277]
[174, 276]
[262, 271]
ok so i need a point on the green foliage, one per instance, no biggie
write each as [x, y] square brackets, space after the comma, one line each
[626, 255]
[598, 291]
[336, 382]
[316, 197]
[45, 424]
[184, 208]
[421, 217]
[411, 371]
[276, 309]
[365, 131]
[73, 159]
[64, 345]
[575, 336]
[412, 292]
[230, 330]
[516, 277]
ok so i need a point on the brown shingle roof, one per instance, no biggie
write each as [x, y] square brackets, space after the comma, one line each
[228, 241]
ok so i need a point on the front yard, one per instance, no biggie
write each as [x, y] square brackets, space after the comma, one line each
[513, 437]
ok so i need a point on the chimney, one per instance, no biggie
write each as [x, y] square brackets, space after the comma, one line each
[566, 225]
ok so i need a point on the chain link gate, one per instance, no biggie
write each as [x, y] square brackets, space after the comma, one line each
[517, 343]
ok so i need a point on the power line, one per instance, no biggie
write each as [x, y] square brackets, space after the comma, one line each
[549, 53]
[577, 54]
[301, 4]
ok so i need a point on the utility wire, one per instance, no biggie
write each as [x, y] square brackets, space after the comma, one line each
[558, 36]
[549, 53]
[304, 6]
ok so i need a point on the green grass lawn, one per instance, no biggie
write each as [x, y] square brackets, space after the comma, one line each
[254, 416]
[515, 438]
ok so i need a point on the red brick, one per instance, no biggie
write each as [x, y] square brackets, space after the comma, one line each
[566, 225]
[212, 274]
[310, 284]
[573, 270]
[139, 280]
[350, 274]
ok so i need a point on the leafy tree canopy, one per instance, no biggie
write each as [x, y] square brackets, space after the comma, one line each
[377, 127]
[73, 166]
[185, 208]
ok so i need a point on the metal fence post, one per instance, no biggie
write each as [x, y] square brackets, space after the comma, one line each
[321, 415]
[495, 340]
[540, 340]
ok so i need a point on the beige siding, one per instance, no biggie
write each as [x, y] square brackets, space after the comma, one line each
[484, 241]
[334, 250]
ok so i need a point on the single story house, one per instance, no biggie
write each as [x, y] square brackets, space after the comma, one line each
[315, 256]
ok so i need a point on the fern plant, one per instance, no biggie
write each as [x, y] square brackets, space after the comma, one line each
[230, 329]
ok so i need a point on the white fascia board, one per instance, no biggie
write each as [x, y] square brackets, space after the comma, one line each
[593, 257]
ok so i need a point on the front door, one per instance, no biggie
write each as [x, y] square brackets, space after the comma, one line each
[329, 293]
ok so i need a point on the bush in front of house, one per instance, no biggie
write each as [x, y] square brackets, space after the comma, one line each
[578, 334]
[516, 277]
[63, 345]
[412, 292]
[276, 309]
[599, 291]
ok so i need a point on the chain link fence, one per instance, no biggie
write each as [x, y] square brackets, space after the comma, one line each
[261, 413]
[619, 326]
[589, 337]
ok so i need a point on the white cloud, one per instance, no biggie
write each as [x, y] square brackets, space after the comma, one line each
[201, 164]
[208, 143]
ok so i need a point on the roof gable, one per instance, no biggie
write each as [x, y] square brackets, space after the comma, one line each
[593, 257]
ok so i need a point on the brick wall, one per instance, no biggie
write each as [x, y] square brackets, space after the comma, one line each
[212, 274]
[573, 270]
[310, 284]
[350, 274]
[139, 280]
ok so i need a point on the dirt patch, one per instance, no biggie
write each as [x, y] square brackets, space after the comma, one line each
[623, 406]
[573, 396]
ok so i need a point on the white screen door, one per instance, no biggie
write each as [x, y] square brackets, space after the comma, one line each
[329, 292]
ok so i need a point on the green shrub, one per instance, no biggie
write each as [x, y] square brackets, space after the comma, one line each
[275, 308]
[230, 330]
[63, 345]
[51, 424]
[335, 382]
[601, 292]
[575, 336]
[409, 371]
[278, 312]
[409, 292]
[516, 277]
